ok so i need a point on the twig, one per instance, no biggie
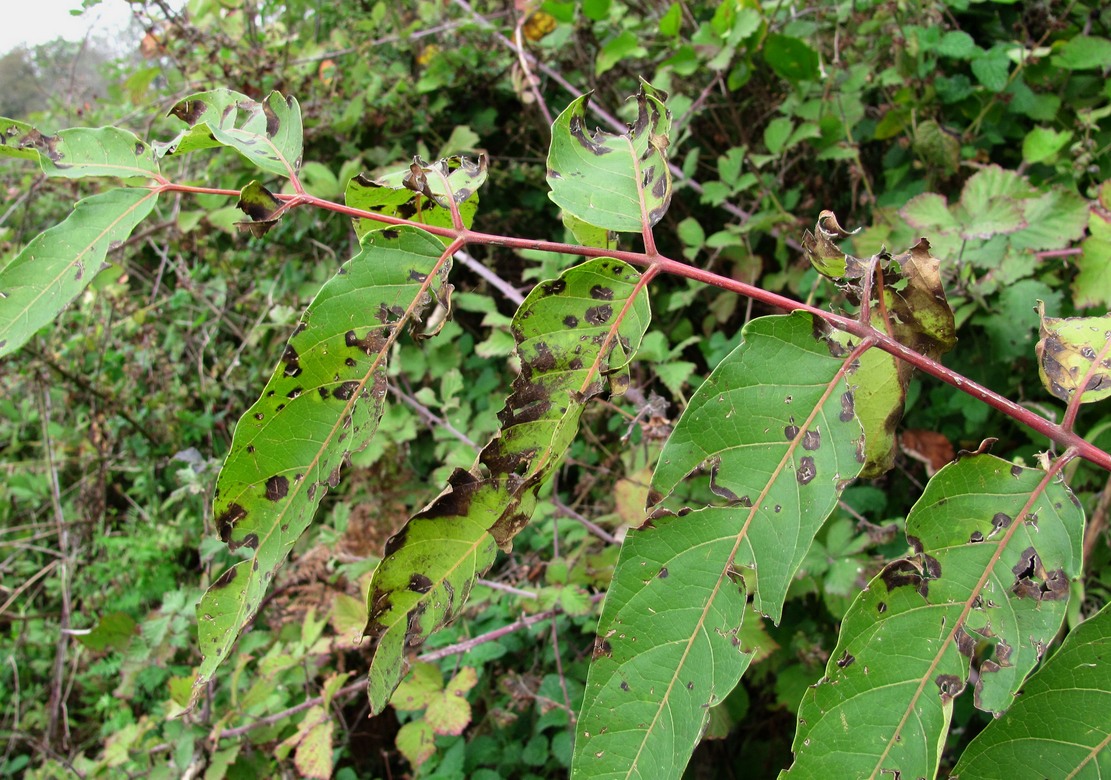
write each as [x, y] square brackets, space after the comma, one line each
[525, 594]
[57, 699]
[462, 647]
[431, 419]
[1097, 523]
[506, 289]
[594, 528]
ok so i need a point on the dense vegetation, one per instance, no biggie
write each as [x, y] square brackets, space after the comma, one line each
[981, 126]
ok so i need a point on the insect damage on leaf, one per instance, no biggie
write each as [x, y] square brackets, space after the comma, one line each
[432, 563]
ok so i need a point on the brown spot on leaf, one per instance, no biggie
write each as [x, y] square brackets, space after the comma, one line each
[975, 537]
[904, 573]
[949, 686]
[277, 488]
[577, 128]
[601, 648]
[791, 431]
[225, 579]
[1000, 521]
[291, 360]
[554, 287]
[571, 321]
[846, 660]
[600, 293]
[806, 470]
[812, 440]
[419, 583]
[1016, 471]
[189, 111]
[663, 573]
[345, 390]
[598, 315]
[624, 685]
[847, 406]
[227, 520]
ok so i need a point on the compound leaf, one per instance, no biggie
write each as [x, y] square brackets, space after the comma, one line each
[1062, 720]
[778, 454]
[58, 264]
[613, 182]
[571, 333]
[323, 401]
[268, 133]
[997, 546]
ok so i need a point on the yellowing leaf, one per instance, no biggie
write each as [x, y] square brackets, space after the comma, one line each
[1068, 352]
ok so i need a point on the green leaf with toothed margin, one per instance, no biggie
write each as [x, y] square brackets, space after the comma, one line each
[323, 401]
[614, 182]
[572, 334]
[1062, 720]
[268, 133]
[773, 429]
[58, 264]
[80, 151]
[998, 547]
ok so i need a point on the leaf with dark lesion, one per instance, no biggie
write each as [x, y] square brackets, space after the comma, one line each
[1073, 356]
[322, 402]
[618, 182]
[432, 563]
[260, 204]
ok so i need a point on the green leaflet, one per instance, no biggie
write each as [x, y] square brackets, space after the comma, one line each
[571, 333]
[419, 193]
[58, 264]
[778, 453]
[998, 546]
[268, 134]
[1062, 722]
[80, 151]
[614, 182]
[323, 401]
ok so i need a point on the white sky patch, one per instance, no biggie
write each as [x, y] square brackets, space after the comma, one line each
[41, 21]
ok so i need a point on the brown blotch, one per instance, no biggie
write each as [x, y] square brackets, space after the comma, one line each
[848, 409]
[225, 579]
[601, 648]
[291, 360]
[933, 567]
[419, 583]
[791, 431]
[806, 470]
[250, 541]
[904, 573]
[600, 293]
[1016, 471]
[846, 660]
[227, 520]
[664, 573]
[812, 440]
[189, 111]
[598, 315]
[277, 488]
[624, 685]
[554, 287]
[345, 390]
[571, 321]
[975, 537]
[1000, 521]
[949, 686]
[390, 234]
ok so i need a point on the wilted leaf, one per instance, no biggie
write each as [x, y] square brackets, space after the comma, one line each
[670, 641]
[615, 182]
[1067, 353]
[323, 401]
[1062, 720]
[259, 204]
[572, 333]
[59, 263]
[267, 133]
[997, 548]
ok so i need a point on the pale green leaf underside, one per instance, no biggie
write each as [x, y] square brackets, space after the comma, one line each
[772, 423]
[80, 151]
[614, 182]
[268, 133]
[990, 576]
[1061, 724]
[571, 332]
[323, 401]
[59, 263]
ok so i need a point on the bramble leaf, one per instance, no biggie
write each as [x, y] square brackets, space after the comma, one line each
[58, 264]
[997, 546]
[1073, 355]
[571, 332]
[1062, 720]
[614, 182]
[267, 133]
[669, 642]
[80, 151]
[323, 401]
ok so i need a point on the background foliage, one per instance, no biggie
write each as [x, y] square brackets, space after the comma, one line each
[982, 125]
